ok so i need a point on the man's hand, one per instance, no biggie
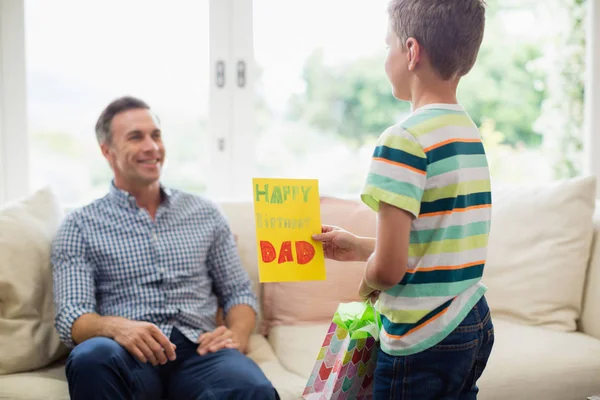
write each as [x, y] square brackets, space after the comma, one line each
[341, 245]
[220, 338]
[144, 341]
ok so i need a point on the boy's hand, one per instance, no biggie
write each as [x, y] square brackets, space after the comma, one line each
[341, 245]
[366, 292]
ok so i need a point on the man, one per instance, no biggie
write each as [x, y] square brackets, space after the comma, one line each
[139, 275]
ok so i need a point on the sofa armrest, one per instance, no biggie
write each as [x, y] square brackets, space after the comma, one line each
[590, 316]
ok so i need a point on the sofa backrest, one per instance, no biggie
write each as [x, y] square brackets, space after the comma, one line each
[240, 215]
[551, 225]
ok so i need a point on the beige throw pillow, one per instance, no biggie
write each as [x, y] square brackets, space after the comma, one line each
[538, 252]
[28, 339]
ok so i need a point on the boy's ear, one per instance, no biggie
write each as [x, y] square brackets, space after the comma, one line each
[413, 53]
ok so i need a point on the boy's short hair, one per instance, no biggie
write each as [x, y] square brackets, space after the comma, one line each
[450, 31]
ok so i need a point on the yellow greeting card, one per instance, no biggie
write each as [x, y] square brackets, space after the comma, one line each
[287, 213]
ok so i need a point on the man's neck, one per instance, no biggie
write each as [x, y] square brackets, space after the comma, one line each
[436, 92]
[146, 196]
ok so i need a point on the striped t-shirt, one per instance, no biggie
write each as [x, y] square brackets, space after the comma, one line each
[433, 165]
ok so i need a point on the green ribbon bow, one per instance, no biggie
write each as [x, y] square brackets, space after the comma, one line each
[359, 318]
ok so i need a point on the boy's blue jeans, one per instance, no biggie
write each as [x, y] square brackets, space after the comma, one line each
[449, 370]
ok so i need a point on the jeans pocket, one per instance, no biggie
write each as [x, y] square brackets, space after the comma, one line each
[444, 346]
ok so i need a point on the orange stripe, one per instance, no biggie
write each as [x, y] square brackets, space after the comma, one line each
[433, 214]
[455, 140]
[385, 160]
[416, 328]
[445, 267]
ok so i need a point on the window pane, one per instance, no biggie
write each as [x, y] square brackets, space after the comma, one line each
[83, 54]
[323, 97]
[317, 72]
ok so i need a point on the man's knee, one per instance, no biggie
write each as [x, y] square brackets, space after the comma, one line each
[94, 353]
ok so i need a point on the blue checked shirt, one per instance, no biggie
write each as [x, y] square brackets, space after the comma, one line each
[111, 258]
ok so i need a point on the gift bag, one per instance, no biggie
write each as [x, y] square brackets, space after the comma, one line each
[346, 362]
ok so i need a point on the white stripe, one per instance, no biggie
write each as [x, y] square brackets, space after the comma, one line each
[461, 175]
[456, 218]
[433, 327]
[448, 132]
[412, 303]
[397, 173]
[461, 258]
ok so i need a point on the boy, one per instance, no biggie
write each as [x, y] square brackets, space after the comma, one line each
[429, 183]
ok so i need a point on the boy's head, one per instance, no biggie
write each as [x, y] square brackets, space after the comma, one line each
[438, 39]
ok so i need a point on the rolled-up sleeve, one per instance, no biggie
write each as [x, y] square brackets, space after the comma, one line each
[231, 282]
[73, 276]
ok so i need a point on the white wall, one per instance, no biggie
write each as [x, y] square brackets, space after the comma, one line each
[14, 164]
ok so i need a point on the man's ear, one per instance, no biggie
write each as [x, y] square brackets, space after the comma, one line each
[413, 53]
[106, 150]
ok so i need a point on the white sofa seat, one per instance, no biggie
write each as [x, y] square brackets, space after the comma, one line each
[565, 364]
[50, 383]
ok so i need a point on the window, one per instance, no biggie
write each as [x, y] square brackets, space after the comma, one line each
[303, 94]
[323, 97]
[82, 55]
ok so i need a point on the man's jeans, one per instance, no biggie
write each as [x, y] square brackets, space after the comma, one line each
[100, 368]
[449, 370]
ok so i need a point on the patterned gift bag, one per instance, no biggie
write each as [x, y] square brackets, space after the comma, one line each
[346, 362]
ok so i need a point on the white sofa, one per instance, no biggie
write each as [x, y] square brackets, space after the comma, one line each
[543, 276]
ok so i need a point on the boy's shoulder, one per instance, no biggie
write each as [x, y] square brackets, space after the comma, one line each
[434, 117]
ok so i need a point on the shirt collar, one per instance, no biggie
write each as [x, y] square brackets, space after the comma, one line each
[125, 198]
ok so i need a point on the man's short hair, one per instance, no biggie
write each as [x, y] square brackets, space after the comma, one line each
[450, 31]
[103, 125]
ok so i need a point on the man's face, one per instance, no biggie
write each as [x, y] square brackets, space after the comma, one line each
[136, 153]
[396, 66]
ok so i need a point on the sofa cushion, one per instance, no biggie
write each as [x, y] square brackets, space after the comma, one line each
[50, 383]
[240, 216]
[288, 384]
[300, 303]
[526, 362]
[538, 251]
[537, 363]
[28, 339]
[297, 347]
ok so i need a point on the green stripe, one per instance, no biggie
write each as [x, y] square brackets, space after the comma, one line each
[419, 118]
[462, 188]
[444, 275]
[396, 186]
[450, 232]
[431, 289]
[448, 246]
[372, 195]
[403, 316]
[442, 121]
[406, 145]
[453, 163]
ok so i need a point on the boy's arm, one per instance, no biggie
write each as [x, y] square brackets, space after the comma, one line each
[387, 265]
[394, 189]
